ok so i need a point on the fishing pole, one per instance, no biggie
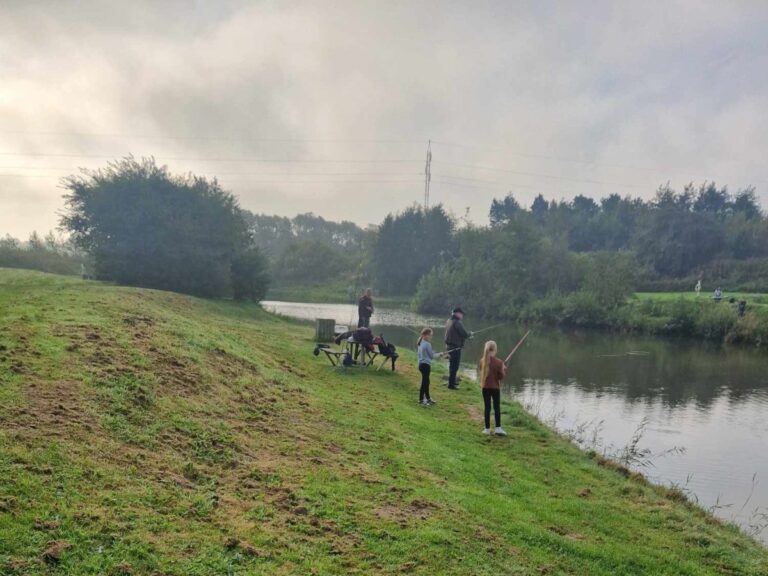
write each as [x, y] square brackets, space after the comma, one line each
[506, 361]
[488, 328]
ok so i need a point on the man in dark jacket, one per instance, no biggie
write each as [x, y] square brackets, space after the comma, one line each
[365, 309]
[455, 337]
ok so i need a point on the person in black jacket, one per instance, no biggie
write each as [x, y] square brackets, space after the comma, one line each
[365, 309]
[455, 337]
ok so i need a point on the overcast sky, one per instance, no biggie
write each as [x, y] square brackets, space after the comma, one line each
[328, 106]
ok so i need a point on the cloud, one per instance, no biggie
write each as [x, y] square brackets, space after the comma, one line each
[332, 103]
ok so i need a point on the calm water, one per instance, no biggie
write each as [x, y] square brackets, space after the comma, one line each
[709, 400]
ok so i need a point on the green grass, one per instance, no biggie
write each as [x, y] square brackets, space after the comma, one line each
[330, 293]
[753, 299]
[145, 432]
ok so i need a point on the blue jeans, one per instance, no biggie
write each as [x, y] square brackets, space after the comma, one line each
[454, 360]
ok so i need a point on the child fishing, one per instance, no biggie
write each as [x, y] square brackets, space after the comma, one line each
[492, 372]
[426, 355]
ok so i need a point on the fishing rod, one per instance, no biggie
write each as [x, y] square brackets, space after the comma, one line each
[488, 328]
[506, 361]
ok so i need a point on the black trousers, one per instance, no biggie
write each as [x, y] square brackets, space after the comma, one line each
[425, 369]
[494, 395]
[364, 322]
[454, 361]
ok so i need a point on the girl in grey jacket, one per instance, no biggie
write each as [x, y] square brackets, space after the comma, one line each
[426, 355]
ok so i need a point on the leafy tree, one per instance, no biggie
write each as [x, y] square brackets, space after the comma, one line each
[273, 234]
[609, 277]
[745, 202]
[676, 241]
[503, 211]
[146, 227]
[408, 245]
[539, 209]
[584, 229]
[310, 261]
[250, 275]
[712, 201]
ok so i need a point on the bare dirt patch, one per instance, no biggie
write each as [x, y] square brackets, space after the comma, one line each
[418, 509]
[52, 409]
[54, 551]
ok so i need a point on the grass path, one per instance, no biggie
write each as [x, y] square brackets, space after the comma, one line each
[144, 432]
[753, 299]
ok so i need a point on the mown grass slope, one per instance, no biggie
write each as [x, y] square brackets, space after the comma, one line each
[144, 432]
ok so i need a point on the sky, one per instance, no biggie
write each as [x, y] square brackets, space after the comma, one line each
[328, 106]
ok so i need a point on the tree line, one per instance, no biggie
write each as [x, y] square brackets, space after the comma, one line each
[135, 223]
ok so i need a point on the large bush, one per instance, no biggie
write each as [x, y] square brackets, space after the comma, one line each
[143, 226]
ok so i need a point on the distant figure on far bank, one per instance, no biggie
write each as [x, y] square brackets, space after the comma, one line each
[742, 308]
[698, 287]
[455, 337]
[492, 372]
[718, 295]
[365, 309]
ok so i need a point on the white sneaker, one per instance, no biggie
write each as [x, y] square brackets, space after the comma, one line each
[425, 403]
[486, 431]
[500, 431]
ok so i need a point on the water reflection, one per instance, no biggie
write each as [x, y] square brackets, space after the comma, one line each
[675, 371]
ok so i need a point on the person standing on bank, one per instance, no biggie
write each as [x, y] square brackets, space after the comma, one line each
[455, 337]
[492, 372]
[426, 355]
[365, 309]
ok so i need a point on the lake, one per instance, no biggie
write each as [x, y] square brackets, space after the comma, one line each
[703, 408]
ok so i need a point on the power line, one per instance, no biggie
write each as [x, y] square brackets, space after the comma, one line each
[590, 163]
[219, 159]
[539, 175]
[213, 138]
[503, 186]
[286, 174]
[541, 156]
[289, 182]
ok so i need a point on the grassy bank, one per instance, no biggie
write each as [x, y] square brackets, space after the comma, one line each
[144, 432]
[665, 313]
[753, 299]
[334, 293]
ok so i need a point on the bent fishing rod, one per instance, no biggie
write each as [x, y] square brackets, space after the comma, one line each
[506, 361]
